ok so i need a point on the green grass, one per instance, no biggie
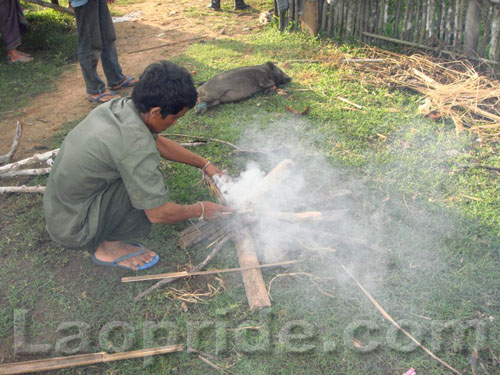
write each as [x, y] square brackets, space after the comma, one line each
[410, 185]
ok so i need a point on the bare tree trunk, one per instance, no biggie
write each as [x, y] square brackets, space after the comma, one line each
[417, 20]
[395, 28]
[330, 17]
[449, 18]
[404, 25]
[430, 19]
[441, 20]
[359, 19]
[350, 19]
[485, 37]
[373, 17]
[495, 32]
[423, 24]
[381, 12]
[297, 9]
[324, 11]
[366, 19]
[472, 24]
[459, 26]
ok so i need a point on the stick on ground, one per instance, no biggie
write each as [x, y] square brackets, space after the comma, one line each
[181, 274]
[199, 267]
[22, 189]
[37, 158]
[51, 364]
[15, 143]
[395, 324]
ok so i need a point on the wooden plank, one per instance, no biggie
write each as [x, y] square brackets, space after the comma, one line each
[247, 255]
[252, 278]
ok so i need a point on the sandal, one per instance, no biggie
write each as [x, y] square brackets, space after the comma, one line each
[116, 262]
[99, 98]
[127, 82]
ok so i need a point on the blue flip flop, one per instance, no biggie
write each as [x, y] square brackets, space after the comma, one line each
[116, 262]
[98, 99]
[126, 83]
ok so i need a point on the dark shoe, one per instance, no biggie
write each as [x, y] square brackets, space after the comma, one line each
[240, 4]
[215, 5]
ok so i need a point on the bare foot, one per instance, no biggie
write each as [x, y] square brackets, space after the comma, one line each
[110, 251]
[16, 56]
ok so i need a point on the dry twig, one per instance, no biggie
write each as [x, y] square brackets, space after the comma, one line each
[312, 278]
[15, 143]
[199, 267]
[395, 324]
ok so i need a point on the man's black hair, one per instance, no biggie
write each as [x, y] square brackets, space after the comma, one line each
[165, 85]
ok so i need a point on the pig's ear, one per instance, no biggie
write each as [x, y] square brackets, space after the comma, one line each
[270, 65]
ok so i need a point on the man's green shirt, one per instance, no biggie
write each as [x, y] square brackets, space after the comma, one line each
[111, 143]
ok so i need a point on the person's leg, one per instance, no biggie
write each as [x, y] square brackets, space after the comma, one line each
[109, 55]
[120, 221]
[240, 4]
[89, 45]
[12, 25]
[215, 5]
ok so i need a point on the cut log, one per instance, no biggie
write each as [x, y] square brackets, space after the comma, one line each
[22, 189]
[270, 181]
[26, 172]
[252, 278]
[34, 159]
[51, 364]
[247, 256]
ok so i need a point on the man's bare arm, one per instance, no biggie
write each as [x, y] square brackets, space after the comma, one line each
[173, 151]
[170, 213]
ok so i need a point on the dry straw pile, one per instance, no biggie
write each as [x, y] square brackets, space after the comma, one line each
[453, 89]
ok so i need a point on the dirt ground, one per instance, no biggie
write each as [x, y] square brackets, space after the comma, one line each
[171, 24]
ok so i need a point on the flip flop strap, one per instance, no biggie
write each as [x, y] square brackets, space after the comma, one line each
[112, 93]
[125, 257]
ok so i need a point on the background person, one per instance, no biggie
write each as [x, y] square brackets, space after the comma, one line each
[96, 38]
[12, 25]
[238, 4]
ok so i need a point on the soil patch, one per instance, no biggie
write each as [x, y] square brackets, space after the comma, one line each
[160, 30]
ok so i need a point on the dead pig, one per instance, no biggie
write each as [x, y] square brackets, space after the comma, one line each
[238, 84]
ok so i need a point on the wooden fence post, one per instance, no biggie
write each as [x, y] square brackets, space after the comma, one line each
[472, 23]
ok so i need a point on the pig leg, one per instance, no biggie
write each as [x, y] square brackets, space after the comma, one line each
[204, 106]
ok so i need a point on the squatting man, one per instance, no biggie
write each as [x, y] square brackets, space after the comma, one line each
[105, 186]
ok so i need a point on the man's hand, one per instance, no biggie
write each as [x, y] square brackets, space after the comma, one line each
[213, 210]
[211, 170]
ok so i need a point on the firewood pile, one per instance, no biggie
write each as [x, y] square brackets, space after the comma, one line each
[241, 227]
[453, 89]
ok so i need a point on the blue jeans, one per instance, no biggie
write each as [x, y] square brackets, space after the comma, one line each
[96, 36]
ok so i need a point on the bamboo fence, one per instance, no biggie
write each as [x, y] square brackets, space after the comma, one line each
[451, 27]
